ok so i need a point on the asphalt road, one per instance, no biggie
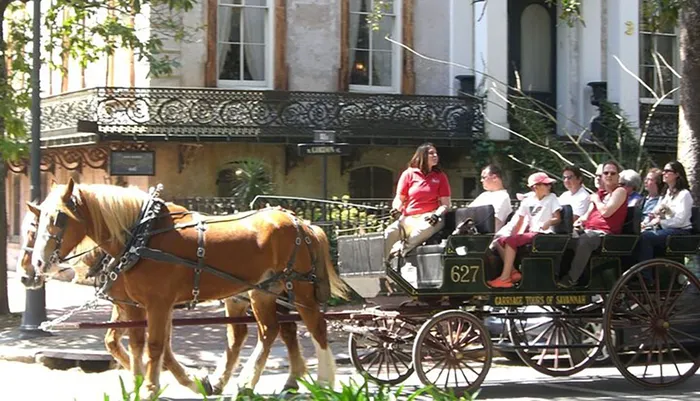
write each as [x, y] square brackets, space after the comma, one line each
[37, 382]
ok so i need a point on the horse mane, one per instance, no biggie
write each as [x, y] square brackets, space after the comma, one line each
[117, 206]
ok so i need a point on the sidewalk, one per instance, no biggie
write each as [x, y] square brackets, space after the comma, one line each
[194, 346]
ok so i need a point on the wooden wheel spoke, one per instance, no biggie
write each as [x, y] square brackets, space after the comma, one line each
[637, 301]
[671, 354]
[646, 292]
[638, 352]
[687, 335]
[670, 288]
[547, 344]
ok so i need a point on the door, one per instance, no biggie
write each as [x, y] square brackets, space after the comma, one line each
[532, 44]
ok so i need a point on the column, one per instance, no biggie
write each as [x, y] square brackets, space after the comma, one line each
[623, 48]
[491, 58]
[461, 42]
[590, 58]
[568, 78]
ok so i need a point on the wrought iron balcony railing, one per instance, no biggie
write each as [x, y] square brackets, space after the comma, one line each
[662, 133]
[115, 113]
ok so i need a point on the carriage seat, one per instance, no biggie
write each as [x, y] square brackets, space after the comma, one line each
[625, 242]
[484, 218]
[686, 244]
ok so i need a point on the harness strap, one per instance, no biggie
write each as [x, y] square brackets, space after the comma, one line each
[201, 228]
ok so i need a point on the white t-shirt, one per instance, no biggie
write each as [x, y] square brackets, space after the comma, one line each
[579, 201]
[500, 200]
[539, 211]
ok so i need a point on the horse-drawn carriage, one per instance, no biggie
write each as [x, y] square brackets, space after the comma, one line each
[434, 325]
[431, 305]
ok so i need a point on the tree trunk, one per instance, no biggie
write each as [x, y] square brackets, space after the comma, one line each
[4, 304]
[4, 301]
[689, 111]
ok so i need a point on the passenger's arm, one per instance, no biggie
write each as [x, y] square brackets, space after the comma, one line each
[617, 198]
[518, 225]
[445, 204]
[398, 202]
[584, 216]
[556, 218]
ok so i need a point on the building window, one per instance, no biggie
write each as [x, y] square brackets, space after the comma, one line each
[374, 62]
[371, 183]
[244, 48]
[658, 46]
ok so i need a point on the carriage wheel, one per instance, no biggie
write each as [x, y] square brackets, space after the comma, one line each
[453, 351]
[653, 304]
[384, 354]
[559, 344]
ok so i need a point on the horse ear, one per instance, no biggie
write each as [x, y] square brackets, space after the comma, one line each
[69, 190]
[34, 208]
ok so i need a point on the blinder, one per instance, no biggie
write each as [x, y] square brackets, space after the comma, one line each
[60, 223]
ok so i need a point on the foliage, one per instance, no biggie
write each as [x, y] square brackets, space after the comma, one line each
[133, 395]
[247, 179]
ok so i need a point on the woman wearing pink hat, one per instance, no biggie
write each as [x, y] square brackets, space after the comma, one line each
[542, 211]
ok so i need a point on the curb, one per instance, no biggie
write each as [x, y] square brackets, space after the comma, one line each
[52, 357]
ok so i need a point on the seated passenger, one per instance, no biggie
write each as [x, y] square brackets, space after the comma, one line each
[672, 215]
[576, 195]
[542, 212]
[654, 185]
[494, 194]
[605, 215]
[422, 198]
[631, 181]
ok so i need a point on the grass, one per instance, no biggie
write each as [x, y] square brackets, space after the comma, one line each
[352, 391]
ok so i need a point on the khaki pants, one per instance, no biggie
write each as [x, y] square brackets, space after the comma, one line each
[417, 229]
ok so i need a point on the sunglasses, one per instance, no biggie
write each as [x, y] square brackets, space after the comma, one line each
[609, 173]
[668, 171]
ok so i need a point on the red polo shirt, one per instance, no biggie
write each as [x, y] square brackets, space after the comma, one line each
[422, 192]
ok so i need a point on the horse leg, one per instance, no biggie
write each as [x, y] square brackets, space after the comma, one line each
[137, 338]
[297, 364]
[159, 318]
[113, 339]
[313, 319]
[265, 311]
[236, 335]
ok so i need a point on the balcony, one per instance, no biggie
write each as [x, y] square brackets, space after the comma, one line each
[185, 114]
[662, 133]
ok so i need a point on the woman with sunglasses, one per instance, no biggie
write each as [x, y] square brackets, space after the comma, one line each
[671, 216]
[605, 215]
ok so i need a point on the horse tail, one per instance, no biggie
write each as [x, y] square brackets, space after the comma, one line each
[338, 288]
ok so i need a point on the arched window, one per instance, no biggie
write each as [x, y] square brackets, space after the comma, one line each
[536, 45]
[371, 182]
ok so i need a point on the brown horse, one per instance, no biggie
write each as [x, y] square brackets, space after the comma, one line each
[235, 307]
[251, 247]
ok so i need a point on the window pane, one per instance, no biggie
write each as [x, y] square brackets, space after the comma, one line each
[387, 7]
[229, 24]
[664, 46]
[648, 78]
[229, 61]
[381, 68]
[666, 83]
[230, 1]
[254, 56]
[359, 69]
[254, 25]
[359, 32]
[646, 50]
[386, 28]
[255, 2]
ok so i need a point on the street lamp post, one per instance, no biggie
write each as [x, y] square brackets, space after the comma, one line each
[35, 300]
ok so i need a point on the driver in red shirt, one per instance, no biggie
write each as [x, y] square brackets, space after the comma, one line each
[422, 198]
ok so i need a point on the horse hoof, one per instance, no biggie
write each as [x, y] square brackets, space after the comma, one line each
[208, 389]
[287, 387]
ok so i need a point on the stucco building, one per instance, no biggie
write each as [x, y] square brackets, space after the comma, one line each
[262, 75]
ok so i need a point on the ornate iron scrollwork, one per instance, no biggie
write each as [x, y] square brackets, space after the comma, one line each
[75, 159]
[662, 131]
[230, 114]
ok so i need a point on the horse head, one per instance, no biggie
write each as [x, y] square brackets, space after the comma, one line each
[61, 227]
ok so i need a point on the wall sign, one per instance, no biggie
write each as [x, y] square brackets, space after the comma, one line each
[132, 163]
